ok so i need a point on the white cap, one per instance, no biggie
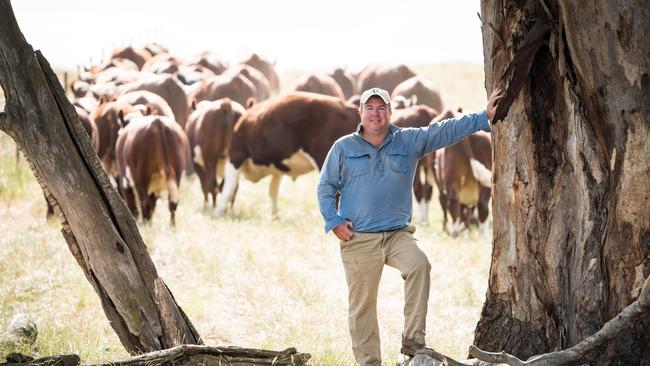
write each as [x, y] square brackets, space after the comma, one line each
[383, 94]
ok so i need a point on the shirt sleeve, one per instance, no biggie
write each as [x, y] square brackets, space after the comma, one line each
[328, 186]
[448, 132]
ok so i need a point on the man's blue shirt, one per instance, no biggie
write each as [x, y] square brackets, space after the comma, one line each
[375, 183]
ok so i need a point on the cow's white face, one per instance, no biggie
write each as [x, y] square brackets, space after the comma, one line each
[375, 117]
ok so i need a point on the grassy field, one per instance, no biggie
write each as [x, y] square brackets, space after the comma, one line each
[246, 280]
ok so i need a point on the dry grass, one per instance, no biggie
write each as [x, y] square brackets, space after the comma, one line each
[245, 280]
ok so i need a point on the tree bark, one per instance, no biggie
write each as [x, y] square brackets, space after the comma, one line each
[571, 244]
[100, 232]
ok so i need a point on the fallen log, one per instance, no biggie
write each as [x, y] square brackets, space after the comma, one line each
[183, 355]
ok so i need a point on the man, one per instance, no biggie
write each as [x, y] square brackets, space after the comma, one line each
[373, 170]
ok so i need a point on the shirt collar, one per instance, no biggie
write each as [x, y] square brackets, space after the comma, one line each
[391, 133]
[391, 129]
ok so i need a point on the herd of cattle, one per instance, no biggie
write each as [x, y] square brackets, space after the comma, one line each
[152, 116]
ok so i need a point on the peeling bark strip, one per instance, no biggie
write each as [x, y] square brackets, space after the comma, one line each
[94, 219]
[571, 193]
[517, 72]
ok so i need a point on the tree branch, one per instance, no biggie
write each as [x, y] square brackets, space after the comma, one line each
[192, 354]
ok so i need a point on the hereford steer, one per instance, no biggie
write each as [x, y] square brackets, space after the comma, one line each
[259, 80]
[419, 116]
[106, 124]
[464, 178]
[422, 88]
[154, 102]
[212, 62]
[167, 87]
[151, 156]
[266, 68]
[385, 77]
[209, 129]
[345, 80]
[228, 85]
[162, 63]
[138, 55]
[288, 135]
[320, 84]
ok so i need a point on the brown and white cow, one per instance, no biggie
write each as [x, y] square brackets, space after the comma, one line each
[212, 62]
[320, 84]
[162, 63]
[266, 67]
[345, 80]
[192, 74]
[385, 77]
[155, 49]
[151, 156]
[107, 123]
[259, 80]
[138, 55]
[89, 73]
[112, 74]
[464, 178]
[87, 103]
[209, 129]
[289, 135]
[228, 85]
[169, 89]
[424, 89]
[419, 116]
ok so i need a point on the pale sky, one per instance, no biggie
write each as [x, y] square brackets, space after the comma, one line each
[305, 35]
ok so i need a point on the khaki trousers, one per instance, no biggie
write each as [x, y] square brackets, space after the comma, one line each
[363, 258]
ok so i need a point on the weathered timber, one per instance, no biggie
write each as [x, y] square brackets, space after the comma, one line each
[100, 232]
[184, 355]
[570, 191]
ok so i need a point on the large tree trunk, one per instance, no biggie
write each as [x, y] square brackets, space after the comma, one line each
[99, 230]
[571, 177]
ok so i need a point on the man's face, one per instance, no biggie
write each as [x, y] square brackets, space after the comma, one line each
[375, 116]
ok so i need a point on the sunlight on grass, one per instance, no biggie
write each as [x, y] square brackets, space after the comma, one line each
[247, 279]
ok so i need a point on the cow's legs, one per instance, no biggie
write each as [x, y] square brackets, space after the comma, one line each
[274, 188]
[442, 198]
[483, 204]
[453, 205]
[145, 205]
[419, 191]
[152, 205]
[204, 187]
[172, 212]
[484, 209]
[173, 196]
[232, 201]
[128, 195]
[211, 177]
[468, 217]
[231, 180]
